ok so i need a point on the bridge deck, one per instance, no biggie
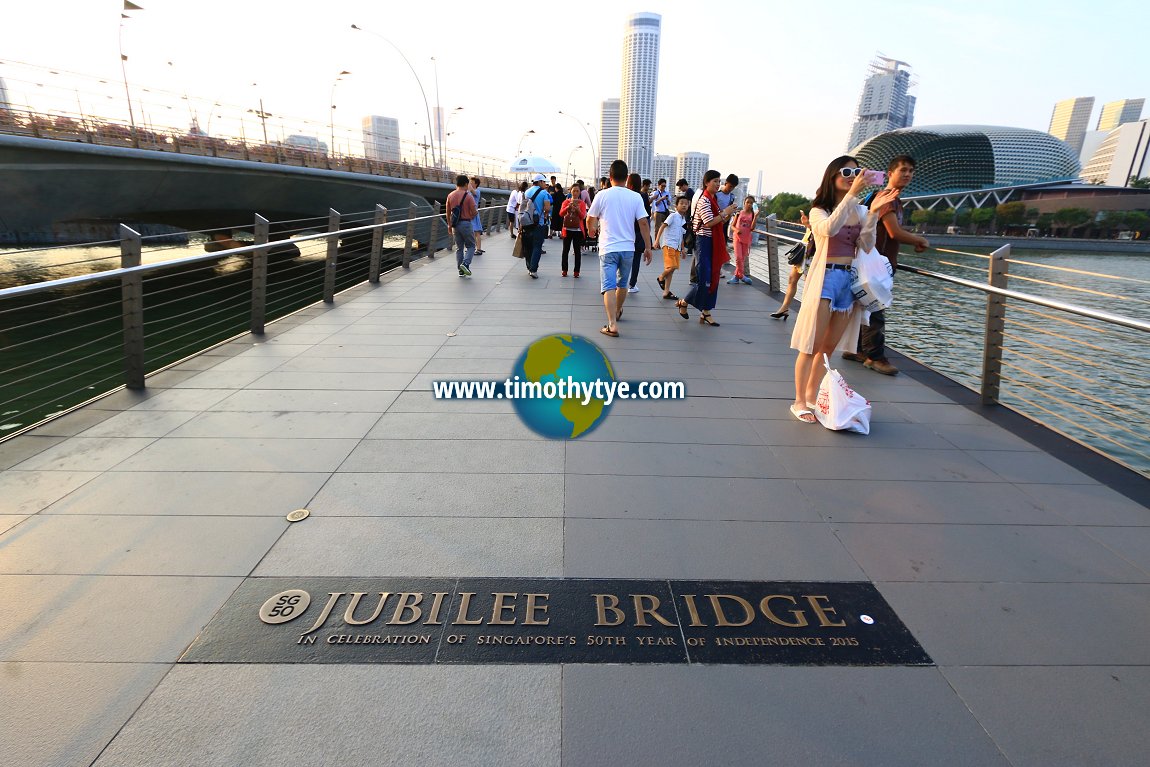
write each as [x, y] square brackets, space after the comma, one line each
[130, 522]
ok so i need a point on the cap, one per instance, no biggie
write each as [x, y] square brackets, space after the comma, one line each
[539, 177]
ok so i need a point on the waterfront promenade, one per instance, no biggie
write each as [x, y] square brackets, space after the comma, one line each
[126, 525]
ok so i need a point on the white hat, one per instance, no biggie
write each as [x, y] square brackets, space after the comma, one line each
[539, 177]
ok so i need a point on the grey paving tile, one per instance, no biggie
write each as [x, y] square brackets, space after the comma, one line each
[883, 463]
[949, 413]
[497, 426]
[273, 347]
[692, 460]
[65, 713]
[122, 399]
[975, 503]
[316, 364]
[701, 498]
[883, 434]
[278, 424]
[137, 423]
[190, 493]
[425, 402]
[1026, 624]
[340, 382]
[220, 379]
[1131, 543]
[212, 454]
[202, 362]
[616, 548]
[984, 553]
[25, 446]
[73, 423]
[195, 704]
[710, 431]
[27, 492]
[85, 454]
[715, 715]
[255, 400]
[137, 545]
[430, 495]
[9, 521]
[457, 456]
[424, 546]
[182, 399]
[105, 619]
[1088, 504]
[984, 436]
[1017, 466]
[1085, 716]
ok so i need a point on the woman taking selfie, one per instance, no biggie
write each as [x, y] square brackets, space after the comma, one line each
[707, 222]
[830, 319]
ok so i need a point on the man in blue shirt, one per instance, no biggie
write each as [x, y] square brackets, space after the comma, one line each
[726, 196]
[536, 234]
[661, 202]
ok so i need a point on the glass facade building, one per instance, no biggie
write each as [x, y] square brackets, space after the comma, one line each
[640, 91]
[1070, 119]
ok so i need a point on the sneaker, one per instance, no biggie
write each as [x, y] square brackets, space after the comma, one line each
[881, 366]
[746, 280]
[853, 357]
[464, 271]
[575, 275]
[534, 276]
[633, 290]
[564, 274]
[734, 281]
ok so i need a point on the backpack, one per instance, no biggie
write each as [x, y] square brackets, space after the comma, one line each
[457, 212]
[528, 216]
[572, 219]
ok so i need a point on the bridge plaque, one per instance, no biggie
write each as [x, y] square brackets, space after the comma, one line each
[555, 620]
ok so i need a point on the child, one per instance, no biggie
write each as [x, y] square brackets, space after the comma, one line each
[670, 235]
[742, 227]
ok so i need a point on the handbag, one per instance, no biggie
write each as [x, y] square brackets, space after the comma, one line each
[517, 249]
[872, 279]
[839, 407]
[797, 254]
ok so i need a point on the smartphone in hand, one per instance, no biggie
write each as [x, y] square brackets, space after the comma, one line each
[874, 177]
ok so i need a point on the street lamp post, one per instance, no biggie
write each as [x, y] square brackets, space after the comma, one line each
[570, 178]
[124, 68]
[331, 100]
[426, 107]
[447, 124]
[591, 141]
[519, 149]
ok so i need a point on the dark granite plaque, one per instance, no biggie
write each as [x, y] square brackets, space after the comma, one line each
[554, 620]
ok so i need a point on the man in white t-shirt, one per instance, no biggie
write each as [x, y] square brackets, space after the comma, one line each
[618, 208]
[513, 203]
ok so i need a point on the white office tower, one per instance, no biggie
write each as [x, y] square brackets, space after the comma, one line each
[743, 189]
[440, 130]
[1124, 153]
[692, 166]
[1119, 113]
[381, 138]
[4, 95]
[608, 136]
[640, 89]
[1070, 119]
[885, 103]
[665, 168]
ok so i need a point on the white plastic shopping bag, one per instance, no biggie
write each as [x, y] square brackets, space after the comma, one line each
[839, 407]
[872, 279]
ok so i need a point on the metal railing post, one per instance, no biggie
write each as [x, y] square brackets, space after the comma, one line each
[260, 277]
[410, 235]
[772, 253]
[995, 325]
[132, 308]
[332, 256]
[431, 244]
[374, 267]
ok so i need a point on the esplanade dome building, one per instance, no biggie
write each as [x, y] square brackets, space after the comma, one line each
[951, 158]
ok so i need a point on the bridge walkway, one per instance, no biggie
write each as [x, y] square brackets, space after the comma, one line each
[127, 524]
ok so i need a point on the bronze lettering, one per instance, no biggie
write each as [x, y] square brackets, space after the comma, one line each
[408, 602]
[436, 604]
[822, 611]
[602, 606]
[652, 609]
[500, 608]
[464, 603]
[693, 610]
[532, 608]
[333, 597]
[765, 606]
[349, 613]
[717, 606]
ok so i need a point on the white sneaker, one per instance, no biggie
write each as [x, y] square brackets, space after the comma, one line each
[633, 290]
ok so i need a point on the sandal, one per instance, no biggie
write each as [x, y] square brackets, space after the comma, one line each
[682, 309]
[605, 330]
[800, 413]
[618, 315]
[670, 297]
[705, 319]
[662, 285]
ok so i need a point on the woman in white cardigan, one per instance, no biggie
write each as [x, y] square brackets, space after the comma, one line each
[829, 317]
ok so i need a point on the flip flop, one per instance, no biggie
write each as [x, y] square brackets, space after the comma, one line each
[799, 413]
[670, 297]
[609, 332]
[662, 285]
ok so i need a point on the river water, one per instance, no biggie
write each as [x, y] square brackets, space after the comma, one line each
[1087, 379]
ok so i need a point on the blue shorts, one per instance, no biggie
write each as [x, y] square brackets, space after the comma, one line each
[837, 287]
[615, 269]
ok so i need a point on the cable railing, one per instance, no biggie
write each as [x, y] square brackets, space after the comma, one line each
[1078, 369]
[67, 341]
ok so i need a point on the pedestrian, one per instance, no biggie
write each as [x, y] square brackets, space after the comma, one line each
[604, 183]
[619, 210]
[461, 212]
[726, 196]
[741, 228]
[708, 221]
[558, 197]
[889, 234]
[537, 203]
[477, 224]
[842, 227]
[796, 271]
[514, 201]
[685, 190]
[573, 214]
[584, 193]
[660, 202]
[671, 236]
[635, 184]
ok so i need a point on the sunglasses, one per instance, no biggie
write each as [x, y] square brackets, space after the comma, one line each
[850, 172]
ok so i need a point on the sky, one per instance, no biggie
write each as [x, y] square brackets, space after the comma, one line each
[760, 86]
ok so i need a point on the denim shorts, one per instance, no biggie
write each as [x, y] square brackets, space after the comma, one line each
[615, 268]
[837, 287]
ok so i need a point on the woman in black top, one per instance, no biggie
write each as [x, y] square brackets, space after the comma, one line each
[557, 198]
[635, 184]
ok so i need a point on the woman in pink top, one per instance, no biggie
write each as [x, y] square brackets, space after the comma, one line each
[741, 228]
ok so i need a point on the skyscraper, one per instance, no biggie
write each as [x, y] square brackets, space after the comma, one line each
[1125, 153]
[664, 168]
[381, 138]
[608, 135]
[1119, 113]
[640, 91]
[692, 166]
[3, 95]
[1069, 121]
[885, 103]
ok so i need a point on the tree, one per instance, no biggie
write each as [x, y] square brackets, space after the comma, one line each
[1013, 213]
[1139, 182]
[786, 206]
[981, 217]
[1072, 218]
[1045, 220]
[1136, 220]
[922, 217]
